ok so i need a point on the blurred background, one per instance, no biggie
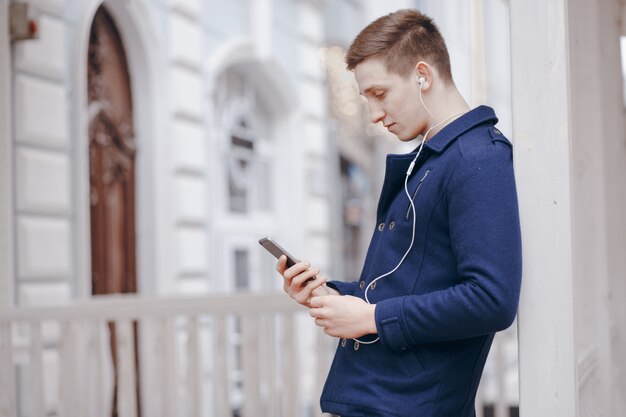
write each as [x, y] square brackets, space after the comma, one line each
[148, 145]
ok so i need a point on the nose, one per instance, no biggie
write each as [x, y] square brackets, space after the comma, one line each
[377, 114]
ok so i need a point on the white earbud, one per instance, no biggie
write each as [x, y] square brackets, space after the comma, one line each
[421, 80]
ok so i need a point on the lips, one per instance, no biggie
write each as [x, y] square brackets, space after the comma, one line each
[389, 125]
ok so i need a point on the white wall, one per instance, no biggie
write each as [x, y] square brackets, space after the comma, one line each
[42, 163]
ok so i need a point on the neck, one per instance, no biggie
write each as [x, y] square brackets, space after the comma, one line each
[448, 108]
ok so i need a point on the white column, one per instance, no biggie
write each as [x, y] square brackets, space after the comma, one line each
[568, 120]
[600, 111]
[542, 134]
[6, 166]
[477, 54]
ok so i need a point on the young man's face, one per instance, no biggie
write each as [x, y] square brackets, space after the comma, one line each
[392, 100]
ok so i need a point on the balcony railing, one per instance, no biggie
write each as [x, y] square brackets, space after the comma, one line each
[248, 355]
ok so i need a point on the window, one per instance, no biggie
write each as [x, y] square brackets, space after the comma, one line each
[245, 144]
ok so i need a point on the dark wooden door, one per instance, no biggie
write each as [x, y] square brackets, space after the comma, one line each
[111, 172]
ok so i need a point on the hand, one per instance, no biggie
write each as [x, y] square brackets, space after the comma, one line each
[297, 283]
[343, 316]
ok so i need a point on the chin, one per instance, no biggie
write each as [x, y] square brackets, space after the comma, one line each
[406, 137]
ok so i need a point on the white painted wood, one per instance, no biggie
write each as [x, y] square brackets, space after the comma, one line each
[124, 306]
[477, 52]
[35, 406]
[171, 377]
[600, 199]
[68, 384]
[194, 368]
[7, 372]
[290, 380]
[126, 376]
[479, 404]
[250, 365]
[86, 376]
[542, 132]
[269, 364]
[501, 406]
[151, 367]
[221, 381]
[103, 383]
[324, 349]
[6, 164]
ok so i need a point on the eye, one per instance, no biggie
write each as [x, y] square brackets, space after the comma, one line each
[380, 95]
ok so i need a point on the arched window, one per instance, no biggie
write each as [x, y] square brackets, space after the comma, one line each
[245, 145]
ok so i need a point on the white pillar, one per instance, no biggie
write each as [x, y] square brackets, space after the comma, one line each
[605, 64]
[6, 166]
[477, 51]
[568, 122]
[541, 134]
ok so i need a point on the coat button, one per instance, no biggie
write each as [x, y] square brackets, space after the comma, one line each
[392, 225]
[381, 227]
[343, 343]
[496, 131]
[373, 286]
[356, 345]
[362, 284]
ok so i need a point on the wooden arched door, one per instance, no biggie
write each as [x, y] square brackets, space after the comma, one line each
[111, 171]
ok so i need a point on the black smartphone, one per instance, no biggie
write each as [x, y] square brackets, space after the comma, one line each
[277, 250]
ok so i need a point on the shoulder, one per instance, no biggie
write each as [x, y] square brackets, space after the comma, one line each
[485, 141]
[483, 150]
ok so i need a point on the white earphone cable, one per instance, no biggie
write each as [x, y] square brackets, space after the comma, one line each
[406, 190]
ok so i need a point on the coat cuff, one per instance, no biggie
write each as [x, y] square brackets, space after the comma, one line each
[389, 324]
[344, 288]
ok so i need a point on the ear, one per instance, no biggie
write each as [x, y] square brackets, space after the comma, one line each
[424, 72]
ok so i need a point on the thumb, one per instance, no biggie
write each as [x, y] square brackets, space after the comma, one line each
[317, 301]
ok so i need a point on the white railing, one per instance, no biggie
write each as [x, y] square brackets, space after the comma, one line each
[206, 356]
[248, 355]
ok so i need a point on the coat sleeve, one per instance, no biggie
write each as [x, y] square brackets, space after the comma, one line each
[484, 229]
[344, 288]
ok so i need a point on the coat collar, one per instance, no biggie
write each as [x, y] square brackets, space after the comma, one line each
[450, 132]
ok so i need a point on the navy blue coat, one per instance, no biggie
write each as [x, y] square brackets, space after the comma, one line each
[437, 314]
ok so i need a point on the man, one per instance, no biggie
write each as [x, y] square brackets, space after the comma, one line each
[443, 269]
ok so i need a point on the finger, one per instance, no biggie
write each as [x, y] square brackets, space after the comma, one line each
[329, 332]
[317, 301]
[305, 276]
[316, 312]
[320, 322]
[281, 265]
[317, 286]
[298, 268]
[302, 294]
